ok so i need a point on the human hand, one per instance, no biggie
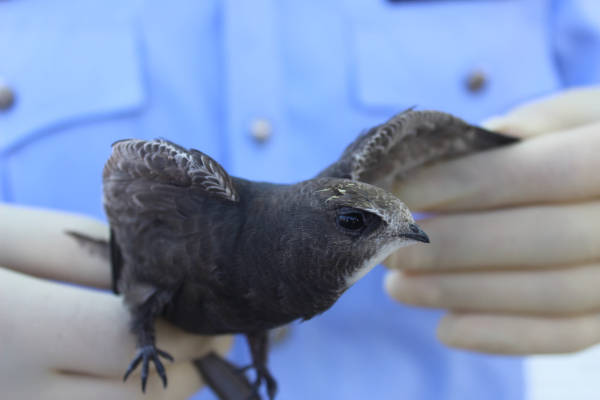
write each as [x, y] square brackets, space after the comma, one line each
[67, 341]
[515, 235]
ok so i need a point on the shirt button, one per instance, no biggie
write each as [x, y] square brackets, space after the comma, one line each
[476, 81]
[7, 96]
[261, 130]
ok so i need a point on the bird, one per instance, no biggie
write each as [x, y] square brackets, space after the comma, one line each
[216, 254]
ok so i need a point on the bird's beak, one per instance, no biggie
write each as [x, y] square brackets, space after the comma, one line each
[416, 233]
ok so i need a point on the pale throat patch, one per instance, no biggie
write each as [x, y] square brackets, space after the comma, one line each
[376, 259]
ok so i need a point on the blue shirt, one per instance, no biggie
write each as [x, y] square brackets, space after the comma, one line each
[199, 73]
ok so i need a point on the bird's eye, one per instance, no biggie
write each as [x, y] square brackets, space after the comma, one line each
[356, 222]
[352, 221]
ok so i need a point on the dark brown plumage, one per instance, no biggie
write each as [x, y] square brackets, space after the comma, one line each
[215, 254]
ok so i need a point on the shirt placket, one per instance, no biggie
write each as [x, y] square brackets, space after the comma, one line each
[252, 86]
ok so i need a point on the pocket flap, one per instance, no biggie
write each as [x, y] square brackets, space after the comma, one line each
[504, 42]
[60, 76]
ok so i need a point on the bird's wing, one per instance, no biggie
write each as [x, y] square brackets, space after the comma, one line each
[155, 194]
[116, 263]
[159, 177]
[164, 162]
[387, 152]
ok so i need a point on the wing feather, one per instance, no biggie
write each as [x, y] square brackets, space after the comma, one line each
[156, 194]
[412, 139]
[165, 162]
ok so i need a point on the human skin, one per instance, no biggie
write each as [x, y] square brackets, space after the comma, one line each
[514, 255]
[520, 278]
[71, 341]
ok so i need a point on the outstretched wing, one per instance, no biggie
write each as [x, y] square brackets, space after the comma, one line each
[165, 162]
[161, 178]
[155, 194]
[387, 152]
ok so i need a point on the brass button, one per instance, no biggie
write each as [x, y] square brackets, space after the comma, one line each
[476, 81]
[261, 130]
[7, 96]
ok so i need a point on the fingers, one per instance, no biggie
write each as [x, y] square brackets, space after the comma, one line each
[184, 381]
[561, 167]
[87, 331]
[34, 242]
[558, 112]
[509, 334]
[564, 291]
[529, 237]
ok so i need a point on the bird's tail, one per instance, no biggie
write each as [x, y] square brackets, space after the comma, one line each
[226, 380]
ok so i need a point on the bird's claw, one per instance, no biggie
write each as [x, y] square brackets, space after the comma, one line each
[262, 374]
[144, 355]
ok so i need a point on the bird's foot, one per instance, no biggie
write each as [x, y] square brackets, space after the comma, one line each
[262, 375]
[144, 355]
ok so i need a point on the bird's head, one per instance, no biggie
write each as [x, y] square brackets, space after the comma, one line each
[360, 224]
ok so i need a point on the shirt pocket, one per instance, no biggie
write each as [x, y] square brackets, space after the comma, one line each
[423, 54]
[64, 74]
